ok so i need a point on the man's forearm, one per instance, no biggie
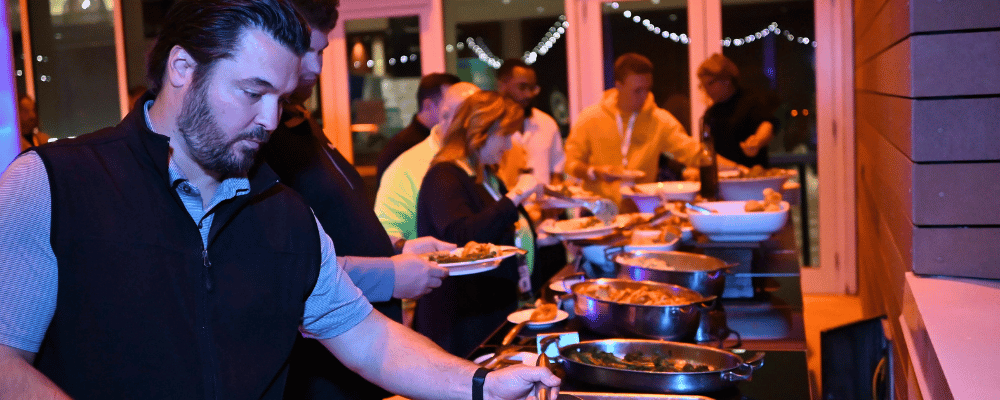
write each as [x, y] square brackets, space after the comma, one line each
[402, 361]
[21, 381]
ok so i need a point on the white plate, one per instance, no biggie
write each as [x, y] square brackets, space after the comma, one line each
[477, 266]
[559, 229]
[518, 317]
[563, 286]
[627, 174]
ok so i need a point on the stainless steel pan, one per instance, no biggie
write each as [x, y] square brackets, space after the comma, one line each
[703, 274]
[674, 322]
[729, 368]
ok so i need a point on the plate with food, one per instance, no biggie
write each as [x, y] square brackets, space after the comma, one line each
[543, 316]
[580, 228]
[472, 258]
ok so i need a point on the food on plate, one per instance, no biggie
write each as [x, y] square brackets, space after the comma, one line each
[758, 171]
[472, 251]
[544, 313]
[638, 361]
[570, 191]
[578, 224]
[771, 202]
[644, 295]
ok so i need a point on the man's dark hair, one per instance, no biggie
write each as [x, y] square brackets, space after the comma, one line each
[507, 68]
[209, 30]
[632, 63]
[430, 87]
[320, 14]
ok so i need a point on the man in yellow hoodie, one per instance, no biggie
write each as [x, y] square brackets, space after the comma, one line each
[626, 131]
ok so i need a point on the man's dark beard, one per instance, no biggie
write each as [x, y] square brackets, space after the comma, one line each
[206, 141]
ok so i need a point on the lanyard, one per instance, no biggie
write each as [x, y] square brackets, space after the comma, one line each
[626, 135]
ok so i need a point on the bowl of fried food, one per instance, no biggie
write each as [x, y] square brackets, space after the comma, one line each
[741, 221]
[749, 184]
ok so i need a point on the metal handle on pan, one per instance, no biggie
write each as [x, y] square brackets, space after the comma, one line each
[611, 252]
[744, 371]
[706, 303]
[542, 392]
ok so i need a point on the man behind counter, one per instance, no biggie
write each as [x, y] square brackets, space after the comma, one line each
[626, 130]
[172, 264]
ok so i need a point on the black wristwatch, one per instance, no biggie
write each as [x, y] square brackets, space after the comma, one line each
[478, 380]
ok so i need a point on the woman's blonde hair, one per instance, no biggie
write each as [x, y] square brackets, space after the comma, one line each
[480, 116]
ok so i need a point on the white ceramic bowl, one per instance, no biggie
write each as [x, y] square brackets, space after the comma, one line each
[732, 224]
[749, 188]
[648, 196]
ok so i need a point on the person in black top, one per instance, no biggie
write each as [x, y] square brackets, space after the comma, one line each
[304, 160]
[429, 94]
[741, 123]
[461, 200]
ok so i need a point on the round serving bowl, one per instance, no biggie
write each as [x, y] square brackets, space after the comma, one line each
[750, 188]
[730, 223]
[648, 196]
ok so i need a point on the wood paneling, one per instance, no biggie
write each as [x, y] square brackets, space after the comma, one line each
[940, 15]
[887, 73]
[880, 26]
[954, 129]
[967, 252]
[956, 194]
[888, 116]
[956, 64]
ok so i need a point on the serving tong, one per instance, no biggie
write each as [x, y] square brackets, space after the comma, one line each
[603, 209]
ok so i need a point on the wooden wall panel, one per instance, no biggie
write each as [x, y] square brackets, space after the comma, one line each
[968, 252]
[880, 26]
[956, 64]
[885, 171]
[887, 73]
[955, 129]
[956, 194]
[938, 15]
[889, 116]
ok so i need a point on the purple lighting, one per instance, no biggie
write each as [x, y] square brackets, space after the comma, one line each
[9, 145]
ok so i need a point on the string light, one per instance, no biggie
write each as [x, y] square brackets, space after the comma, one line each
[728, 41]
[558, 29]
[556, 32]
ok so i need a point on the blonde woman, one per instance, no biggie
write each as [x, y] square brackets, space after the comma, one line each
[461, 200]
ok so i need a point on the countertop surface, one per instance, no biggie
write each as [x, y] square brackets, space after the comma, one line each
[958, 317]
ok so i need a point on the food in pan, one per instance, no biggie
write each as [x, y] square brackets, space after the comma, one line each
[578, 224]
[772, 202]
[544, 313]
[646, 262]
[643, 295]
[637, 361]
[472, 251]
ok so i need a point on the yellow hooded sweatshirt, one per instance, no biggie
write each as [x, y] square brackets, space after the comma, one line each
[595, 140]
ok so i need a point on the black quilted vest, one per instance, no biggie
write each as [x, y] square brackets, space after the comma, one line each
[144, 311]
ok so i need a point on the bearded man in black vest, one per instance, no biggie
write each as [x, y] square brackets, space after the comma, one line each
[159, 259]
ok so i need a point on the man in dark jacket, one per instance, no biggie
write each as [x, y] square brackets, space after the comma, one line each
[163, 261]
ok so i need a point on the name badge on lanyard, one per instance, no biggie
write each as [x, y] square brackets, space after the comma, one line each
[626, 133]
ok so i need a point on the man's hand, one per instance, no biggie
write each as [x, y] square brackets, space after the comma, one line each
[526, 186]
[20, 381]
[751, 146]
[607, 173]
[426, 244]
[518, 382]
[415, 276]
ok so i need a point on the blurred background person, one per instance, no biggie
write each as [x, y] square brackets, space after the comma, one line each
[741, 123]
[396, 200]
[463, 200]
[538, 148]
[626, 130]
[27, 118]
[429, 94]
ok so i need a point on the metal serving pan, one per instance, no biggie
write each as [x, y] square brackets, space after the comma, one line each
[703, 274]
[674, 322]
[729, 368]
